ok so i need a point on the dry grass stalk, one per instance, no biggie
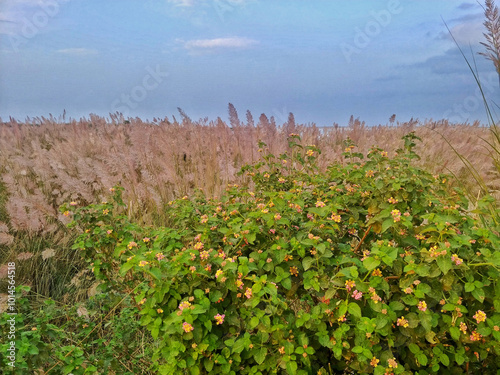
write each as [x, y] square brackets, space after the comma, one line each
[492, 24]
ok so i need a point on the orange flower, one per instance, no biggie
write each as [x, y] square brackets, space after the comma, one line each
[376, 272]
[374, 362]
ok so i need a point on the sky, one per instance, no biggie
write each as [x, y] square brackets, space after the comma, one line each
[322, 60]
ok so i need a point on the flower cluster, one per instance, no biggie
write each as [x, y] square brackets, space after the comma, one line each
[456, 259]
[402, 322]
[219, 318]
[349, 284]
[184, 305]
[434, 252]
[480, 316]
[396, 215]
[187, 327]
[357, 295]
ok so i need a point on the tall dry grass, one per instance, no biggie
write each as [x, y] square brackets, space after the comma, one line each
[45, 163]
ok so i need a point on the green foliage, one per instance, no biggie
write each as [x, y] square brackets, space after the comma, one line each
[96, 338]
[374, 266]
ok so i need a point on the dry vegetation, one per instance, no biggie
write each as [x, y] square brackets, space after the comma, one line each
[46, 163]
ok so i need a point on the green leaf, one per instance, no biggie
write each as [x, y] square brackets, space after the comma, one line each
[330, 293]
[308, 262]
[478, 294]
[422, 359]
[387, 224]
[209, 364]
[455, 333]
[371, 263]
[357, 349]
[459, 358]
[469, 287]
[155, 272]
[354, 309]
[291, 367]
[198, 309]
[125, 268]
[414, 348]
[260, 356]
[444, 264]
[445, 360]
[33, 350]
[254, 322]
[208, 325]
[287, 283]
[68, 368]
[354, 272]
[396, 306]
[239, 346]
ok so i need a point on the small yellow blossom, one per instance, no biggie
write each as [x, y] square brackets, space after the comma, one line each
[403, 322]
[187, 327]
[392, 363]
[376, 272]
[480, 316]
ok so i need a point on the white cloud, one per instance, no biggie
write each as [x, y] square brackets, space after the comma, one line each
[190, 3]
[78, 51]
[235, 42]
[182, 3]
[468, 33]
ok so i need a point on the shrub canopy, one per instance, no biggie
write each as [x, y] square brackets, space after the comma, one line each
[372, 266]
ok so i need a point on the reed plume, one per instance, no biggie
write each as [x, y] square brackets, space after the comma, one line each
[492, 44]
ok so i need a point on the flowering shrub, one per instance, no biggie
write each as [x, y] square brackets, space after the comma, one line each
[373, 266]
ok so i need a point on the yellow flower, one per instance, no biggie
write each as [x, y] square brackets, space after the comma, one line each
[187, 327]
[463, 327]
[374, 362]
[159, 311]
[376, 272]
[403, 322]
[392, 363]
[480, 316]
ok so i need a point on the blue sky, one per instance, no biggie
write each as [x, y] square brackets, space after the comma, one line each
[323, 60]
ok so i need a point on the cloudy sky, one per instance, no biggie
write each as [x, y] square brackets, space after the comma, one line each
[323, 60]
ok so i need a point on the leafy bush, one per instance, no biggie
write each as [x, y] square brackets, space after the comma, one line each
[373, 266]
[100, 337]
